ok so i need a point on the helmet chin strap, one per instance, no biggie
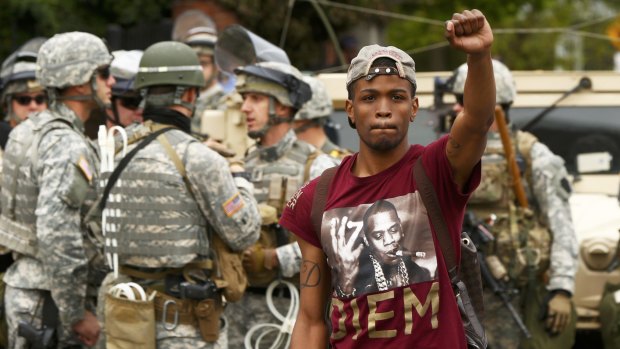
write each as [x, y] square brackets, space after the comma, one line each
[91, 97]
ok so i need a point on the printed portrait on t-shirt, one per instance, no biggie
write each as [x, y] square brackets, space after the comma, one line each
[379, 246]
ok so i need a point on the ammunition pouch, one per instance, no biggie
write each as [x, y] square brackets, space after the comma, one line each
[261, 277]
[129, 323]
[203, 314]
[522, 244]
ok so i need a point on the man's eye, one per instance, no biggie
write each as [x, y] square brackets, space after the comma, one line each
[398, 97]
[378, 236]
[368, 98]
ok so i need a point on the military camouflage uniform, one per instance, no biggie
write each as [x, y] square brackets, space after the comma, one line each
[284, 162]
[161, 226]
[548, 191]
[49, 173]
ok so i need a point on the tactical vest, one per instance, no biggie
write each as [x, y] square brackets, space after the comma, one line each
[275, 180]
[20, 190]
[151, 216]
[522, 243]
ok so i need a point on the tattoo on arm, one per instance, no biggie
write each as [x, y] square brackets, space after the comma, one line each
[453, 143]
[310, 275]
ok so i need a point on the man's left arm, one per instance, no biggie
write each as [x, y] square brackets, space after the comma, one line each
[552, 191]
[470, 33]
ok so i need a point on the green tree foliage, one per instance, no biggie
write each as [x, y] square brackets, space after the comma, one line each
[525, 32]
[417, 26]
[24, 19]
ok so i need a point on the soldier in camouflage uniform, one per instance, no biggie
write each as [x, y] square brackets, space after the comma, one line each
[21, 92]
[310, 120]
[536, 246]
[164, 218]
[124, 108]
[279, 165]
[48, 183]
[202, 40]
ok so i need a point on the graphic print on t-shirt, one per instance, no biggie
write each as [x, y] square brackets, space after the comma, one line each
[379, 246]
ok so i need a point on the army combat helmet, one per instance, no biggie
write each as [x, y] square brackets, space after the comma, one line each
[279, 81]
[505, 88]
[168, 63]
[320, 105]
[72, 59]
[318, 108]
[18, 74]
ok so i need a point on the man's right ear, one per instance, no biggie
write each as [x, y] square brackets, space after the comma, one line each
[348, 107]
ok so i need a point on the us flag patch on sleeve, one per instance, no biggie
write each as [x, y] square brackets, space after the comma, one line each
[85, 168]
[232, 205]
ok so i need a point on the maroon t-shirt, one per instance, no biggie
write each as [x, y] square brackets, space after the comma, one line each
[402, 296]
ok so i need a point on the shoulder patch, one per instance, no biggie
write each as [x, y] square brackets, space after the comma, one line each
[232, 205]
[85, 168]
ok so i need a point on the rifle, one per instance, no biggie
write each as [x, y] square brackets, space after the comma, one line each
[481, 236]
[502, 127]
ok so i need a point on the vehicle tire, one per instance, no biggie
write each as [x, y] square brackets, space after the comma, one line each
[592, 144]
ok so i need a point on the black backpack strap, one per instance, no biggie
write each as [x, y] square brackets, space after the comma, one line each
[320, 198]
[430, 200]
[125, 161]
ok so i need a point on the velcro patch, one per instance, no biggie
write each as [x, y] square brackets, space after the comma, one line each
[85, 168]
[232, 205]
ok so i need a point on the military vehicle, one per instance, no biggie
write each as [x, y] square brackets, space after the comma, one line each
[576, 114]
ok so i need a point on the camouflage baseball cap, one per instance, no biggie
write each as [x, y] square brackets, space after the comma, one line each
[505, 88]
[279, 80]
[70, 59]
[320, 105]
[360, 65]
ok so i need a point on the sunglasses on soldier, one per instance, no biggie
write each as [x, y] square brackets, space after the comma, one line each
[25, 100]
[104, 72]
[131, 103]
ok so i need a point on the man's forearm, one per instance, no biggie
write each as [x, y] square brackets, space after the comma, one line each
[480, 88]
[307, 334]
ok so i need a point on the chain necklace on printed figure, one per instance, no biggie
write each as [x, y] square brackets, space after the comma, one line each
[382, 283]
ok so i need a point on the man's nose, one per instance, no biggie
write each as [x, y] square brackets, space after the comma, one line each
[388, 239]
[384, 108]
[245, 107]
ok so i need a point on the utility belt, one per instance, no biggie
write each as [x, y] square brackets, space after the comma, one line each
[173, 297]
[202, 314]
